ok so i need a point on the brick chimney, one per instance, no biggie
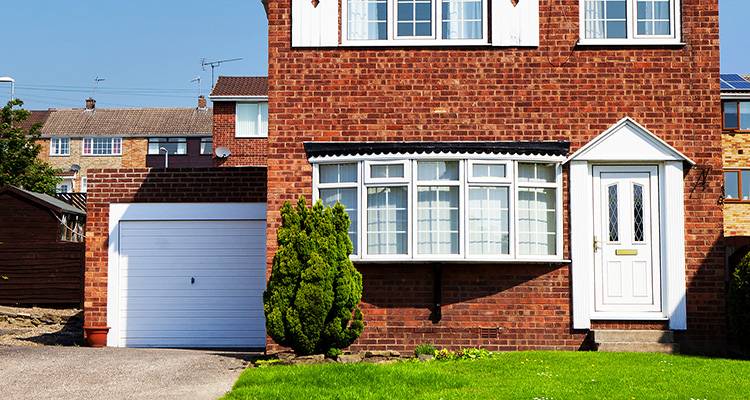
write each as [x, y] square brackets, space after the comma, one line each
[90, 103]
[202, 102]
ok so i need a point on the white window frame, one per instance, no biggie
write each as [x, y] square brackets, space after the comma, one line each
[343, 185]
[54, 146]
[84, 184]
[557, 185]
[111, 146]
[164, 140]
[391, 25]
[258, 122]
[632, 28]
[464, 183]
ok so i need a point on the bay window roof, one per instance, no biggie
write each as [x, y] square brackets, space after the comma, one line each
[530, 148]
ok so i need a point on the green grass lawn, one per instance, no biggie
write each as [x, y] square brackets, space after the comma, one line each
[517, 375]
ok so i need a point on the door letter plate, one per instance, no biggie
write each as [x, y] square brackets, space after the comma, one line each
[629, 252]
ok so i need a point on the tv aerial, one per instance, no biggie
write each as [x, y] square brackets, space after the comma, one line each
[213, 64]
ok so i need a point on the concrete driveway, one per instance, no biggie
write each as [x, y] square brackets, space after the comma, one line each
[63, 373]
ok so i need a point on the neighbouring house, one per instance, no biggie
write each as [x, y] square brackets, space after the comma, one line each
[240, 119]
[735, 138]
[41, 249]
[75, 140]
[527, 174]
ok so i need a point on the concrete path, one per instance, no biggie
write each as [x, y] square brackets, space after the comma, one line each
[63, 373]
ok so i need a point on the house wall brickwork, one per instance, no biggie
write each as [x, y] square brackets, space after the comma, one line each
[245, 151]
[556, 91]
[736, 154]
[140, 185]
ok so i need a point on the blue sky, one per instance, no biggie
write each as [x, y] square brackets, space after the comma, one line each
[148, 51]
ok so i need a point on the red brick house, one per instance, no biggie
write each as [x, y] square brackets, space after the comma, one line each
[240, 119]
[519, 174]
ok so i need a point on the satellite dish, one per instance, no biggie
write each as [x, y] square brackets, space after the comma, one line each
[222, 152]
[75, 167]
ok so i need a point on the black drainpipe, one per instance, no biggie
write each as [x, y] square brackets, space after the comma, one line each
[437, 293]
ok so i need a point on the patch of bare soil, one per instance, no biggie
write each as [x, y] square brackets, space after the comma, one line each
[35, 326]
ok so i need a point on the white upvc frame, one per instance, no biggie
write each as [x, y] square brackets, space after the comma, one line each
[484, 182]
[258, 122]
[122, 212]
[557, 186]
[410, 160]
[343, 185]
[633, 39]
[414, 208]
[391, 26]
[111, 146]
[53, 147]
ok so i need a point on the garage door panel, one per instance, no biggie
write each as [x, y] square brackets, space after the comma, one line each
[214, 283]
[158, 304]
[249, 341]
[214, 244]
[238, 323]
[191, 303]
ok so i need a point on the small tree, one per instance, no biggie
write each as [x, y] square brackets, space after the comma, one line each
[19, 165]
[312, 295]
[739, 302]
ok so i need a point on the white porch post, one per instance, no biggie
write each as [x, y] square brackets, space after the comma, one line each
[581, 237]
[674, 257]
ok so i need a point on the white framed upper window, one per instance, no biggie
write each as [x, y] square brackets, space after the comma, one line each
[414, 22]
[207, 146]
[251, 120]
[102, 146]
[174, 146]
[625, 22]
[427, 208]
[59, 146]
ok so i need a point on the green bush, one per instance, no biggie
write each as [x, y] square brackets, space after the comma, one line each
[473, 354]
[424, 348]
[739, 302]
[445, 355]
[313, 292]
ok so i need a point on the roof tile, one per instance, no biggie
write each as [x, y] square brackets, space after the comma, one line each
[241, 86]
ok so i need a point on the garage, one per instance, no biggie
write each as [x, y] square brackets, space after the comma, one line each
[187, 275]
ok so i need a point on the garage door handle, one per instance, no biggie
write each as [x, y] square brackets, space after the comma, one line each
[192, 280]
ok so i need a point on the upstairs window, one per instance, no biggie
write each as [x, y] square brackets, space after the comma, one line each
[175, 146]
[736, 116]
[630, 21]
[59, 147]
[102, 146]
[207, 145]
[251, 120]
[415, 21]
[736, 185]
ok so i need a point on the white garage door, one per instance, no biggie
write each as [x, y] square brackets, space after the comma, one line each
[191, 283]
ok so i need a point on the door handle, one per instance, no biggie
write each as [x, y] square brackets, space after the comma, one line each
[596, 245]
[192, 280]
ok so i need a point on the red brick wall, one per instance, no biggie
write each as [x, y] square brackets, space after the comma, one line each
[557, 91]
[152, 186]
[245, 151]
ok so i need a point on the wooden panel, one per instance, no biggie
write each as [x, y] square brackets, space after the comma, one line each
[515, 25]
[315, 26]
[49, 274]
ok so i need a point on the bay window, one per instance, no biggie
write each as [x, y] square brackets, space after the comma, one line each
[425, 208]
[415, 21]
[102, 146]
[630, 21]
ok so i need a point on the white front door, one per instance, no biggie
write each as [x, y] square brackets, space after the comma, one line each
[627, 270]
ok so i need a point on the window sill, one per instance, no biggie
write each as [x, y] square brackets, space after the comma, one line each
[630, 42]
[414, 43]
[252, 137]
[101, 155]
[516, 261]
[59, 155]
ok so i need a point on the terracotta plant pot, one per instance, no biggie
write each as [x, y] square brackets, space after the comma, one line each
[96, 336]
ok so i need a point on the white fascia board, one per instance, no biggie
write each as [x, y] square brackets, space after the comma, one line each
[238, 98]
[735, 95]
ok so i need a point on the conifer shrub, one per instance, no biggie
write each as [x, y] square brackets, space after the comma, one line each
[739, 303]
[311, 302]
